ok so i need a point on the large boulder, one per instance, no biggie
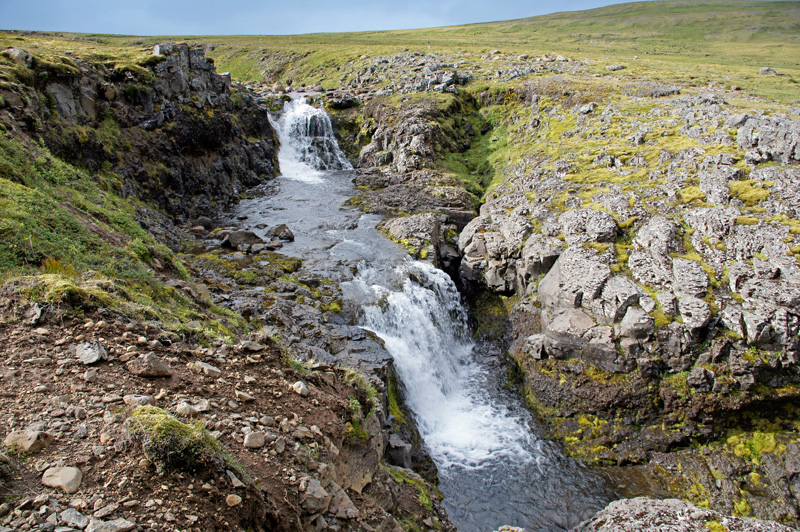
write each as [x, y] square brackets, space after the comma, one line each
[669, 515]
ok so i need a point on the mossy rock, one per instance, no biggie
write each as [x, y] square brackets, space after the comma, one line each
[172, 445]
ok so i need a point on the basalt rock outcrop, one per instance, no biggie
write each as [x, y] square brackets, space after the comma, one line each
[177, 133]
[655, 289]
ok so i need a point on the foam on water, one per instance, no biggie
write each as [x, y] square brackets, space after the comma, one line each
[308, 145]
[424, 326]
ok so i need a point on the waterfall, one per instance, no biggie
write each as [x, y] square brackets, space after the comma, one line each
[308, 145]
[493, 469]
[425, 329]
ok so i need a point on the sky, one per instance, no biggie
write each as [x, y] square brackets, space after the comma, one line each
[271, 17]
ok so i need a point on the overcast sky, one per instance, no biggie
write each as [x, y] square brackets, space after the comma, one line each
[226, 17]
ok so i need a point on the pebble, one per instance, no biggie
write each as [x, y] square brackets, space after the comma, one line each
[234, 481]
[244, 396]
[138, 400]
[207, 369]
[90, 375]
[301, 388]
[117, 525]
[106, 510]
[74, 518]
[249, 345]
[233, 500]
[41, 361]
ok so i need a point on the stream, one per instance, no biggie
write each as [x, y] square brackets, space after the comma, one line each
[494, 469]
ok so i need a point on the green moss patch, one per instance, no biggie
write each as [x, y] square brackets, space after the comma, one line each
[172, 445]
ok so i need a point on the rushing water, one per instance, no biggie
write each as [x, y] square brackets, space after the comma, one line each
[493, 469]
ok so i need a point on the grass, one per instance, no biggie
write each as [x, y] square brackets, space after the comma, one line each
[70, 238]
[691, 42]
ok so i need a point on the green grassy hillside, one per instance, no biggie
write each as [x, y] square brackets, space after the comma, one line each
[724, 41]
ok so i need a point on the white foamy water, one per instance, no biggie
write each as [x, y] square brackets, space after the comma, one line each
[425, 329]
[308, 145]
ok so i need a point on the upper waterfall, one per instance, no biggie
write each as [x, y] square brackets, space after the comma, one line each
[308, 145]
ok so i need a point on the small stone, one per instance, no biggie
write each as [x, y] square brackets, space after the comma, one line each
[234, 481]
[138, 400]
[117, 525]
[106, 510]
[280, 445]
[186, 409]
[149, 365]
[64, 478]
[39, 361]
[233, 500]
[244, 396]
[301, 388]
[254, 440]
[90, 375]
[255, 347]
[74, 518]
[90, 352]
[207, 369]
[249, 380]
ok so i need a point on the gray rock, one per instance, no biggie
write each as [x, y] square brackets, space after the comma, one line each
[300, 388]
[649, 260]
[576, 279]
[238, 238]
[74, 518]
[695, 313]
[20, 57]
[564, 334]
[138, 400]
[255, 440]
[255, 347]
[149, 365]
[207, 369]
[243, 396]
[690, 278]
[67, 479]
[636, 324]
[618, 294]
[588, 225]
[316, 500]
[767, 71]
[28, 441]
[701, 379]
[534, 346]
[538, 255]
[281, 232]
[90, 352]
[398, 452]
[115, 525]
[668, 515]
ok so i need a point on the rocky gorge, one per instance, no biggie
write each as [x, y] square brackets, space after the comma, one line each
[631, 245]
